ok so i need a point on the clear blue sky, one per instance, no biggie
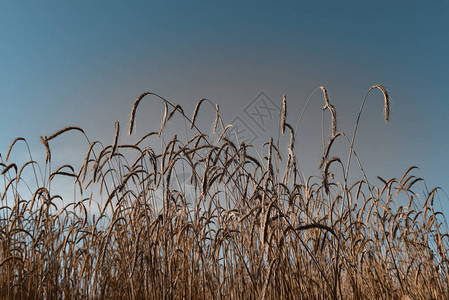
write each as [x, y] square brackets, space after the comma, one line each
[84, 62]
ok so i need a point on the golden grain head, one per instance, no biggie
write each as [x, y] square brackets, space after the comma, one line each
[386, 99]
[284, 113]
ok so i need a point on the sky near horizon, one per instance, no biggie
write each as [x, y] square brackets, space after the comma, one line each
[83, 63]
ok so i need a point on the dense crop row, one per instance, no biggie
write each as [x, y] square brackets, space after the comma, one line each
[204, 218]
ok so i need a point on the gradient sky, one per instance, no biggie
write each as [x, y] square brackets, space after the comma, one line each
[83, 63]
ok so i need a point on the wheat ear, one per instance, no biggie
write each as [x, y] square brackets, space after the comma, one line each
[114, 145]
[195, 112]
[284, 113]
[386, 99]
[331, 109]
[133, 111]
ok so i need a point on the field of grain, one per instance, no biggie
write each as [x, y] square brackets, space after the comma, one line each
[196, 216]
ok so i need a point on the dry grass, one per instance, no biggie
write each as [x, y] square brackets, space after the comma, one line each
[202, 218]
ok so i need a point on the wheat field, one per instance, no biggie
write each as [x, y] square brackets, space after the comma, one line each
[199, 216]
